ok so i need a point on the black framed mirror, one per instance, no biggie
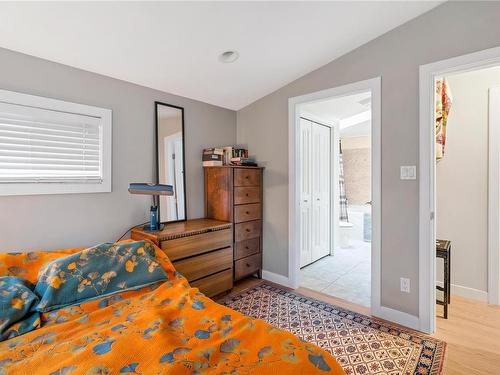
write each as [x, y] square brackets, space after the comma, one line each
[170, 161]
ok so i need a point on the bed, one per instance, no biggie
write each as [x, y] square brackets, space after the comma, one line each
[90, 311]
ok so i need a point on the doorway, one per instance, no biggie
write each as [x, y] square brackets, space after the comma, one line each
[303, 119]
[431, 77]
[335, 150]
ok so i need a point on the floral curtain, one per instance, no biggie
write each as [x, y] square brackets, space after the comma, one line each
[443, 105]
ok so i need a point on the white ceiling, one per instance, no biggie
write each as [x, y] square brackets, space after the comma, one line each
[351, 112]
[339, 108]
[174, 46]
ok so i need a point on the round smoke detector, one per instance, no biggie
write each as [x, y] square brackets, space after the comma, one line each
[229, 56]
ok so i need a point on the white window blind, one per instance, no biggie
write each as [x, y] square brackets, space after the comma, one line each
[51, 145]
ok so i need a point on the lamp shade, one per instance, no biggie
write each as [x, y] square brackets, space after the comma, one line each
[150, 188]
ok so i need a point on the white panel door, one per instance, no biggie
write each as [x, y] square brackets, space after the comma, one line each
[305, 192]
[320, 147]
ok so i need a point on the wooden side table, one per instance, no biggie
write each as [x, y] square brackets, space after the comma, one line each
[443, 250]
[200, 249]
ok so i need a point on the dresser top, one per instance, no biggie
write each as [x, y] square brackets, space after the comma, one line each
[235, 166]
[184, 229]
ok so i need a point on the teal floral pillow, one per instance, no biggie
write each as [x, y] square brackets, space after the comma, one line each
[17, 307]
[95, 272]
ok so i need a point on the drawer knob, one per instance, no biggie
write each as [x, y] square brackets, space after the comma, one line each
[246, 194]
[248, 264]
[247, 177]
[247, 212]
[247, 248]
[248, 229]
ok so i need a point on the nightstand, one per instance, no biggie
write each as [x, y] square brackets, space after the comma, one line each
[200, 249]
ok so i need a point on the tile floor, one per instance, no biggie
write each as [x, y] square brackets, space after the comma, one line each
[346, 274]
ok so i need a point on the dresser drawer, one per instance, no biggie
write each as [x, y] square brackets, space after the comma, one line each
[198, 244]
[247, 266]
[246, 177]
[244, 195]
[202, 265]
[247, 212]
[246, 248]
[246, 231]
[215, 284]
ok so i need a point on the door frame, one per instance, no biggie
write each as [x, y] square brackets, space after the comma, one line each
[427, 185]
[374, 86]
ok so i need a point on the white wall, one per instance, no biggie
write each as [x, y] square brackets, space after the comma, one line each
[462, 181]
[452, 29]
[55, 221]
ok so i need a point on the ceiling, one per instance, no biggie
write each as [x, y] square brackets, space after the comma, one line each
[351, 112]
[174, 46]
[339, 108]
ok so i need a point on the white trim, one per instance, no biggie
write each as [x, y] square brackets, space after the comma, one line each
[335, 190]
[276, 278]
[373, 85]
[101, 115]
[494, 196]
[398, 317]
[427, 232]
[466, 292]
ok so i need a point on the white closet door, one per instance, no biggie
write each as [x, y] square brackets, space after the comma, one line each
[322, 195]
[305, 192]
[320, 191]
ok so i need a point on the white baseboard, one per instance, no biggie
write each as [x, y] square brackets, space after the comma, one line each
[276, 278]
[466, 292]
[396, 316]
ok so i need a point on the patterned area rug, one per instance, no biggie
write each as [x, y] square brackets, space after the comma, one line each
[361, 344]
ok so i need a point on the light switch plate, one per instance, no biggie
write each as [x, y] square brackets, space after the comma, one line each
[408, 172]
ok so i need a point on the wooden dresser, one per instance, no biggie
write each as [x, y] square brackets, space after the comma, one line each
[200, 249]
[234, 194]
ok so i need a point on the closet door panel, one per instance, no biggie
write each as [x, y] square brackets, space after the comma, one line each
[324, 191]
[316, 157]
[320, 191]
[305, 192]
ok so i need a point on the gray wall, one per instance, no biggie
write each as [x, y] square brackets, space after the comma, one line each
[55, 221]
[452, 29]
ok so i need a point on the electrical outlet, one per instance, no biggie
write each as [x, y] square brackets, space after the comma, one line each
[405, 284]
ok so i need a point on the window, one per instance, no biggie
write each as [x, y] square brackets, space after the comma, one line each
[50, 146]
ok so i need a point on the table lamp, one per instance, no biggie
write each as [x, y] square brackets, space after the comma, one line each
[155, 190]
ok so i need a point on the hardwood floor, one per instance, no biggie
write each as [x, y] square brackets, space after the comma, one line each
[472, 331]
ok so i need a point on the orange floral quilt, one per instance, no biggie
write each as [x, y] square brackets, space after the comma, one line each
[166, 328]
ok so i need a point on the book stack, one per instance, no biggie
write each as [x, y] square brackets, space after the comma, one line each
[213, 157]
[243, 161]
[228, 155]
[240, 153]
[240, 157]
